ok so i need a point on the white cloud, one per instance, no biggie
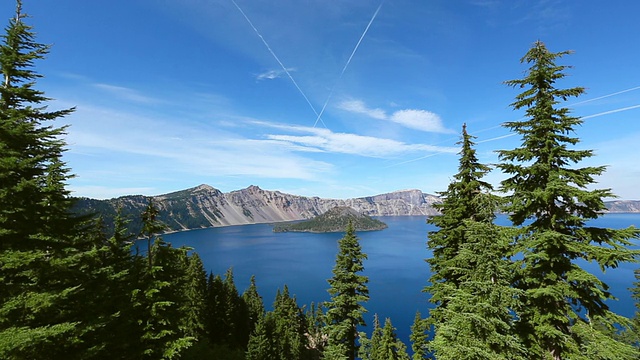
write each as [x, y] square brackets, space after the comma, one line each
[422, 120]
[317, 139]
[273, 74]
[125, 93]
[358, 107]
[98, 134]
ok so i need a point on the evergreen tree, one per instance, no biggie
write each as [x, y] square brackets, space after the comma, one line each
[39, 250]
[471, 271]
[419, 337]
[348, 291]
[549, 200]
[253, 303]
[281, 334]
[466, 198]
[160, 295]
[315, 330]
[194, 291]
[262, 341]
[383, 344]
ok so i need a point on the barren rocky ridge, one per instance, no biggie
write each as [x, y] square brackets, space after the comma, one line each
[205, 206]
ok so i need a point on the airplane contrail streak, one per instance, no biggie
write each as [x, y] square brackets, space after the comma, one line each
[277, 59]
[514, 134]
[606, 96]
[611, 111]
[346, 65]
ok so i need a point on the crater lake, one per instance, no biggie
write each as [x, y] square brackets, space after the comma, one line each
[395, 266]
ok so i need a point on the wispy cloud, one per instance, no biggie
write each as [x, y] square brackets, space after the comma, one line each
[274, 74]
[125, 93]
[359, 107]
[422, 120]
[324, 140]
[190, 149]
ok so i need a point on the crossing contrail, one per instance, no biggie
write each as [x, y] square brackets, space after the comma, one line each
[514, 134]
[286, 71]
[319, 118]
[606, 96]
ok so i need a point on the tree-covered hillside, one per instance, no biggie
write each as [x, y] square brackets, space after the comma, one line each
[334, 220]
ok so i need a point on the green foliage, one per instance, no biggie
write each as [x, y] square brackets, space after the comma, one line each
[334, 220]
[39, 250]
[471, 271]
[195, 289]
[419, 337]
[348, 291]
[384, 343]
[281, 333]
[549, 199]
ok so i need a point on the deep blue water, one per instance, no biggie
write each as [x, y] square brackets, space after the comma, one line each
[395, 266]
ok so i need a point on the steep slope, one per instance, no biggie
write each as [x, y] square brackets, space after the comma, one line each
[204, 206]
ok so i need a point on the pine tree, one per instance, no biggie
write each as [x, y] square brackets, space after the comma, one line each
[253, 303]
[466, 198]
[195, 288]
[281, 334]
[419, 337]
[383, 344]
[348, 291]
[471, 271]
[548, 198]
[160, 295]
[39, 253]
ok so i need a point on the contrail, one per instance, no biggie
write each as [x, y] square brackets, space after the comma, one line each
[514, 134]
[319, 118]
[606, 96]
[611, 111]
[277, 59]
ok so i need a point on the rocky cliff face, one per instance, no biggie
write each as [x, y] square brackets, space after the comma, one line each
[623, 206]
[204, 206]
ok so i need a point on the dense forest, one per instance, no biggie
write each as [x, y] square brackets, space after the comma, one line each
[71, 290]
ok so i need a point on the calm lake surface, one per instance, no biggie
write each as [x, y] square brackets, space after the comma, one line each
[395, 266]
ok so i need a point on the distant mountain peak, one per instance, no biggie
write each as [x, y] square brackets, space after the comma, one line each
[204, 187]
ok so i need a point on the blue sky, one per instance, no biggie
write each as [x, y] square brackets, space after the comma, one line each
[175, 93]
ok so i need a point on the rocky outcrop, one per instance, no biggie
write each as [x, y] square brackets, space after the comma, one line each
[204, 206]
[623, 206]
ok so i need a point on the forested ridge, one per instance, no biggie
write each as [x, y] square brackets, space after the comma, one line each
[72, 289]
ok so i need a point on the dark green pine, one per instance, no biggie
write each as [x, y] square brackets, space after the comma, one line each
[38, 235]
[471, 270]
[348, 290]
[463, 200]
[549, 198]
[418, 337]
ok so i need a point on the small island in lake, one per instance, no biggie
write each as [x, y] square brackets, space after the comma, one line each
[334, 220]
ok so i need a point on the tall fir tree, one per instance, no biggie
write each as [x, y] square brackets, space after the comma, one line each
[195, 289]
[471, 270]
[383, 344]
[253, 304]
[348, 293]
[160, 295]
[549, 200]
[418, 337]
[39, 250]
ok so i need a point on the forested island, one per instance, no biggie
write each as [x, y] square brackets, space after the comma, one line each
[334, 220]
[71, 290]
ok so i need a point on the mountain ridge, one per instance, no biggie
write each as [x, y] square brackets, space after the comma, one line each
[204, 206]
